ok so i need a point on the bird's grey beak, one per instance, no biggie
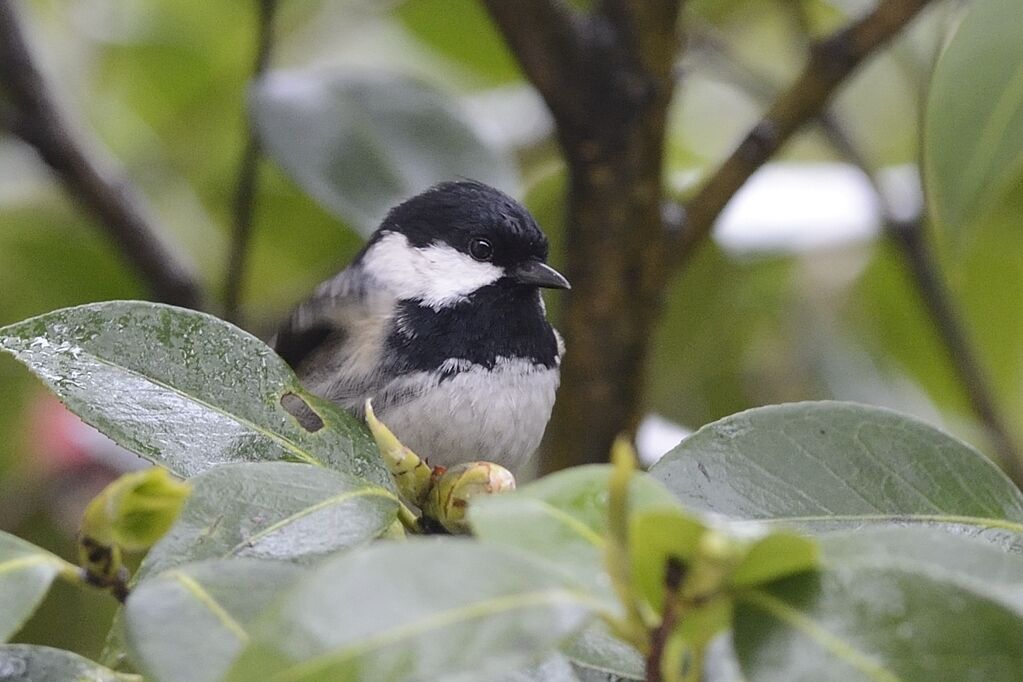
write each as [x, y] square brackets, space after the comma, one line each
[540, 275]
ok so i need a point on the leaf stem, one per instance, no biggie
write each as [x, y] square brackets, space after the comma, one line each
[616, 554]
[656, 668]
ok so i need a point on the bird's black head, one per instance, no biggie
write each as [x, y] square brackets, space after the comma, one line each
[464, 235]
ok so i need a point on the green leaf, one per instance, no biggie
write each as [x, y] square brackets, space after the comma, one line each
[444, 25]
[361, 145]
[562, 520]
[30, 663]
[973, 123]
[597, 649]
[877, 615]
[273, 510]
[832, 465]
[189, 623]
[415, 610]
[26, 572]
[183, 389]
[970, 561]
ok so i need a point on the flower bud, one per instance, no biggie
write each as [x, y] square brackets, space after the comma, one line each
[449, 497]
[410, 472]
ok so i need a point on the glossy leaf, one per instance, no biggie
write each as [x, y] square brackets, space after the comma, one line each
[973, 123]
[360, 145]
[30, 663]
[562, 520]
[877, 616]
[189, 623]
[273, 510]
[26, 573]
[183, 389]
[838, 463]
[415, 610]
[598, 651]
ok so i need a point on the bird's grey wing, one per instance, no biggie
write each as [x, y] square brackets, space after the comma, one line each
[333, 339]
[327, 313]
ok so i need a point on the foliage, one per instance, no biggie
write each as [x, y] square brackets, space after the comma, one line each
[774, 543]
[270, 571]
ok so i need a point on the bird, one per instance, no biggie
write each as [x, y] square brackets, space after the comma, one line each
[439, 320]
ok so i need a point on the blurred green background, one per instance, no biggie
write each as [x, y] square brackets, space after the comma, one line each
[823, 310]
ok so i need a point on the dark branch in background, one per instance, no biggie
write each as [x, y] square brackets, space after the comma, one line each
[909, 235]
[606, 76]
[28, 111]
[831, 62]
[248, 175]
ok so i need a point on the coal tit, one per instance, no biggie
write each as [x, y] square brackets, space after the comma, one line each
[440, 321]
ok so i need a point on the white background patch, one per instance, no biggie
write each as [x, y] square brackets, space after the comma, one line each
[438, 275]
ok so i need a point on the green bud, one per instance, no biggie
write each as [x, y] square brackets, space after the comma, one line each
[410, 472]
[449, 497]
[136, 510]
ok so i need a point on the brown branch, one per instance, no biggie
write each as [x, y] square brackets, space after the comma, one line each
[909, 235]
[31, 114]
[248, 174]
[831, 62]
[674, 573]
[547, 37]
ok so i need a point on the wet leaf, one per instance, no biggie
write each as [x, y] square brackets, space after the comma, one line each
[189, 623]
[273, 510]
[30, 663]
[830, 465]
[183, 389]
[415, 610]
[873, 613]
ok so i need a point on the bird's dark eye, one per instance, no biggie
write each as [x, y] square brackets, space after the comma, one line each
[481, 249]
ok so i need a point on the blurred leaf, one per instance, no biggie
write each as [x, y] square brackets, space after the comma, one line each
[273, 510]
[188, 624]
[971, 561]
[444, 26]
[973, 123]
[26, 572]
[360, 145]
[776, 555]
[183, 389]
[29, 663]
[838, 463]
[415, 610]
[596, 648]
[562, 519]
[879, 617]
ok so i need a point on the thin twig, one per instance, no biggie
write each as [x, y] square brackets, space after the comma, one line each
[674, 572]
[831, 62]
[248, 174]
[909, 235]
[31, 114]
[549, 39]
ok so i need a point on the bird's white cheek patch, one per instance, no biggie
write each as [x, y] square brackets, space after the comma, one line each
[437, 275]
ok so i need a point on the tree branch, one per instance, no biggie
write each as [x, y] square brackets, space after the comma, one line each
[831, 62]
[248, 174]
[30, 113]
[547, 37]
[909, 235]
